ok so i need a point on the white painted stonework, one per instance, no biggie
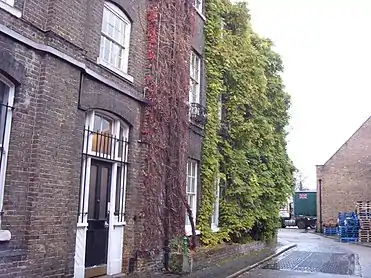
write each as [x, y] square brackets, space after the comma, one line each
[80, 251]
[5, 235]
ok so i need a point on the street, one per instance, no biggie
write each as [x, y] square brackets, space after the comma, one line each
[315, 256]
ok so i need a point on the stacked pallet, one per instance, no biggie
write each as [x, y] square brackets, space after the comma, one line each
[363, 210]
[330, 230]
[348, 227]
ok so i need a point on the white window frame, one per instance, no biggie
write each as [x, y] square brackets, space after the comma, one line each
[222, 28]
[215, 214]
[195, 77]
[9, 2]
[8, 5]
[192, 173]
[199, 5]
[5, 235]
[113, 10]
[220, 108]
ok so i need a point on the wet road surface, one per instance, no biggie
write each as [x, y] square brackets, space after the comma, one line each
[315, 257]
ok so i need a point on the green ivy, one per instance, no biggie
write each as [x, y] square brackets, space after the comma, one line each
[247, 150]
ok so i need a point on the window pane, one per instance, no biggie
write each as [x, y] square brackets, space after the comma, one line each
[111, 24]
[104, 196]
[112, 54]
[191, 202]
[116, 54]
[197, 69]
[121, 59]
[102, 136]
[107, 47]
[123, 29]
[101, 52]
[106, 126]
[105, 21]
[117, 30]
[97, 123]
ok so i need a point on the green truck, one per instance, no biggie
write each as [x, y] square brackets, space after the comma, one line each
[302, 212]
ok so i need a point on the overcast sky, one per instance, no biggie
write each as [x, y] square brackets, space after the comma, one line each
[326, 49]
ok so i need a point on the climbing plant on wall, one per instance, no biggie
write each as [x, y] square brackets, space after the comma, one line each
[164, 130]
[246, 149]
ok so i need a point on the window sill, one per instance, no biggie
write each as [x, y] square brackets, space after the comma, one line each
[116, 71]
[5, 235]
[10, 9]
[188, 231]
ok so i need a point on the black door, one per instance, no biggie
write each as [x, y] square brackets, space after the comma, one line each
[97, 234]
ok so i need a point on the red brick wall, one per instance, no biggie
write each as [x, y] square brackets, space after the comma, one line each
[346, 177]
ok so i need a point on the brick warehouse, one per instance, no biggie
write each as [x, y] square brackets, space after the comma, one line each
[345, 178]
[70, 123]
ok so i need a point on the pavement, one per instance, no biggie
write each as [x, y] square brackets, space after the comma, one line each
[315, 257]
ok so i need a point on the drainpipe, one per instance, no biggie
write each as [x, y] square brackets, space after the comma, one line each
[320, 205]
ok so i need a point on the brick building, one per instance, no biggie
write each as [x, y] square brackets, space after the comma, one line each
[71, 85]
[72, 90]
[197, 100]
[345, 178]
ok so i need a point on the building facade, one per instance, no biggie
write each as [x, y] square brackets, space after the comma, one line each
[345, 178]
[197, 102]
[72, 88]
[71, 84]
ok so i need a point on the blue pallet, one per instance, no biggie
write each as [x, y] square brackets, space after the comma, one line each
[343, 215]
[349, 229]
[329, 231]
[348, 239]
[350, 215]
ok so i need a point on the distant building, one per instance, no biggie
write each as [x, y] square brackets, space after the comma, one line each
[346, 177]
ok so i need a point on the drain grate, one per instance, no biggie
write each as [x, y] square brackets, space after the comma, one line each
[331, 263]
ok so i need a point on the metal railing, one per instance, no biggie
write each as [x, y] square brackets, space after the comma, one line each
[197, 113]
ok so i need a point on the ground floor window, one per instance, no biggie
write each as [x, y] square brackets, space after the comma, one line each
[192, 178]
[215, 215]
[6, 109]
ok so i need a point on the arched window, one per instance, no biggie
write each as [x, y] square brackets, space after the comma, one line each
[6, 107]
[115, 38]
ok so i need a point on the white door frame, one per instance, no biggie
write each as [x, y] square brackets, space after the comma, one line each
[116, 222]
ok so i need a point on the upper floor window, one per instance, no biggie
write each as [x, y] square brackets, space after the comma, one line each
[198, 5]
[195, 77]
[6, 103]
[9, 2]
[115, 38]
[8, 5]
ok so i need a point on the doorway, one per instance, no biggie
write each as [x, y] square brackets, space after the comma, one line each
[98, 219]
